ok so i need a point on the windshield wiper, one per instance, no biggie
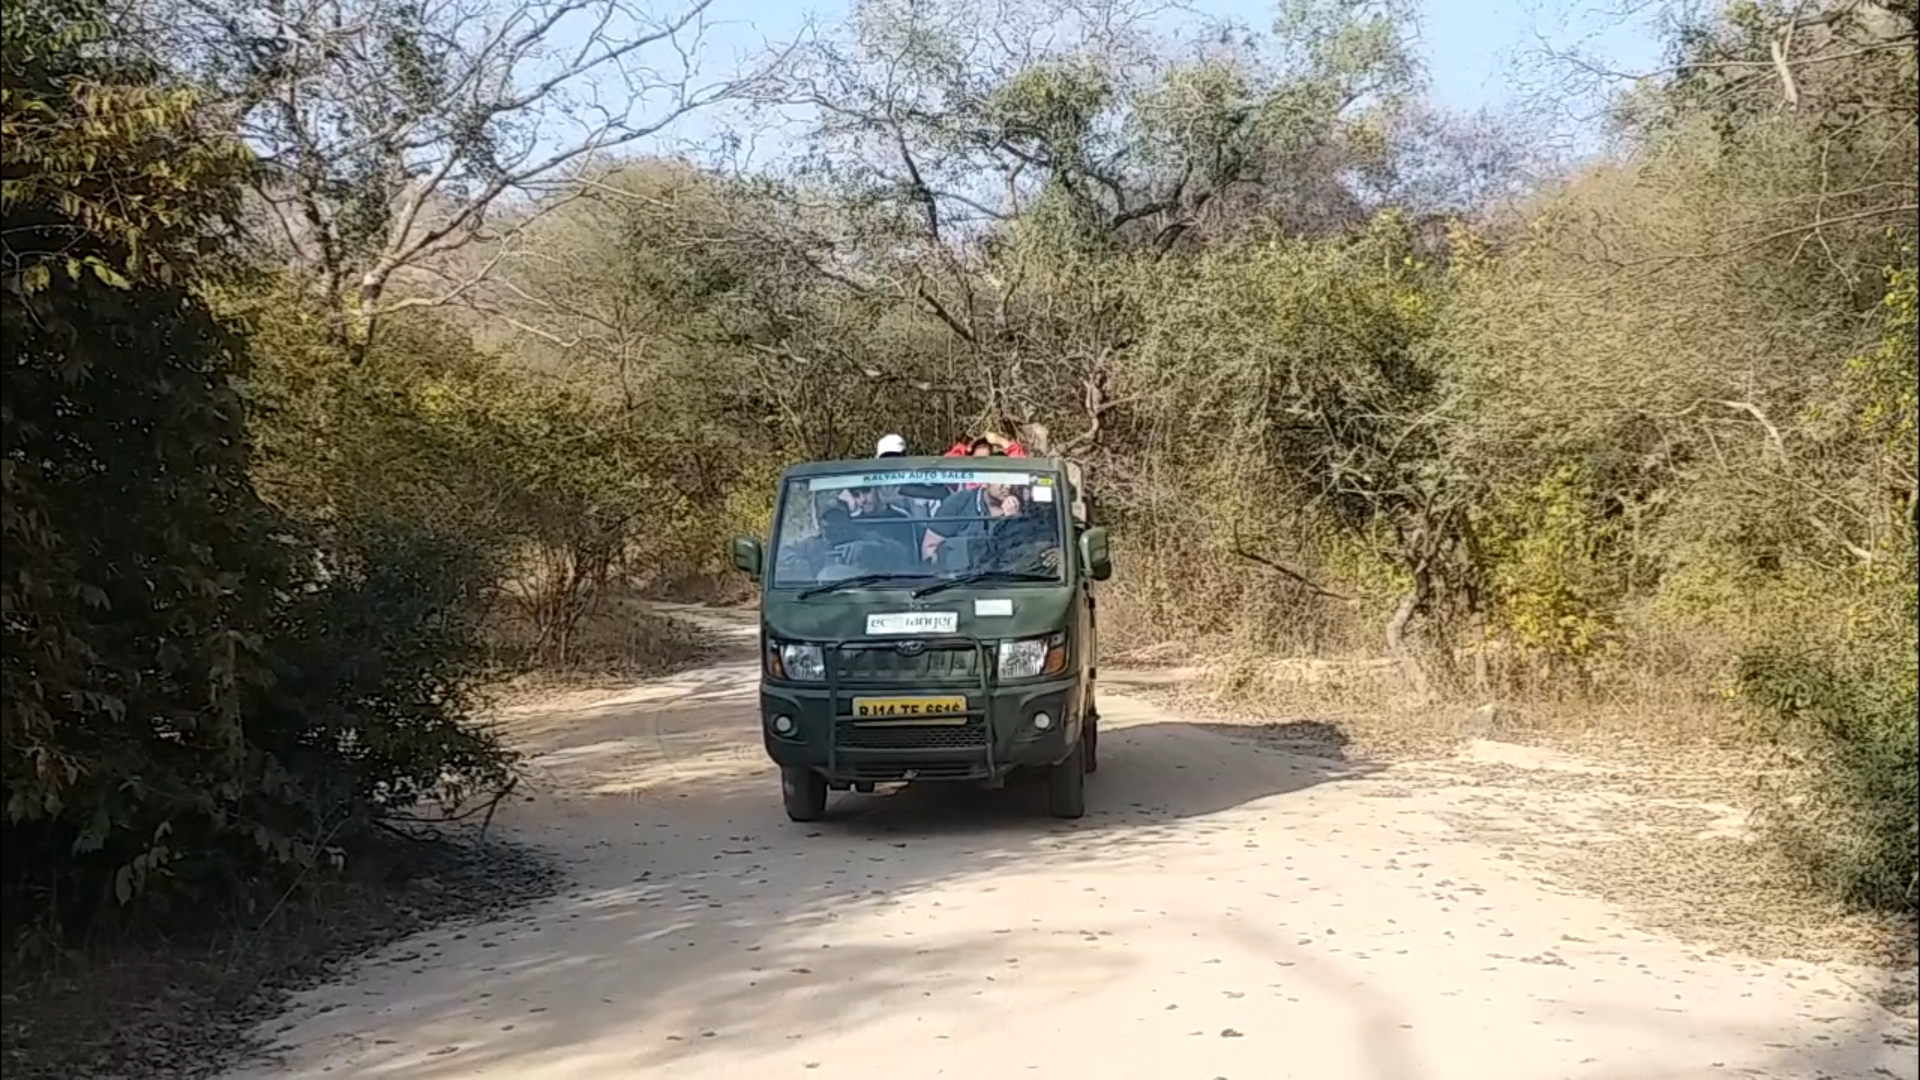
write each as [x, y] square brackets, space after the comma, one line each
[979, 576]
[857, 582]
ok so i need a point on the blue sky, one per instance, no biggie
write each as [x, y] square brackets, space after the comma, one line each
[1469, 45]
[1479, 53]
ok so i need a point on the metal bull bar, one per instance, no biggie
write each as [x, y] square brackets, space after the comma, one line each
[978, 690]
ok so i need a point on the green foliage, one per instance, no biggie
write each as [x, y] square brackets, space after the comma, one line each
[373, 673]
[138, 566]
[192, 697]
[1860, 831]
[140, 572]
[1607, 434]
[1889, 374]
[1672, 454]
[1856, 701]
[1554, 555]
[1052, 108]
[107, 146]
[551, 493]
[1301, 359]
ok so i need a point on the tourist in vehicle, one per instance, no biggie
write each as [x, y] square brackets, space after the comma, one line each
[965, 514]
[988, 445]
[871, 516]
[1026, 541]
[992, 444]
[869, 505]
[999, 527]
[914, 500]
[849, 546]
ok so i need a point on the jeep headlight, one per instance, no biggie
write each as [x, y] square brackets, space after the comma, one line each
[1031, 658]
[794, 661]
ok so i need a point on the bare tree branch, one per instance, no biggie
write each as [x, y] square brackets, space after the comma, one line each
[393, 132]
[1294, 576]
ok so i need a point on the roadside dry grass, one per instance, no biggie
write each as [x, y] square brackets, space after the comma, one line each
[624, 642]
[1371, 699]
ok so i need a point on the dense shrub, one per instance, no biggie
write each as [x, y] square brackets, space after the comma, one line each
[1859, 831]
[200, 693]
[1856, 701]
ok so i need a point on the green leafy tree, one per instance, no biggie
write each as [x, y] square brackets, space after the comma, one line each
[140, 567]
[189, 699]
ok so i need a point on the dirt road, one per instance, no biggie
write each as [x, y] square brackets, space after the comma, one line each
[1225, 910]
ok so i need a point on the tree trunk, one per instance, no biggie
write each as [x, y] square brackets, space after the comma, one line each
[1397, 645]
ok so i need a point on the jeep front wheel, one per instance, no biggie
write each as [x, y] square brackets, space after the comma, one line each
[804, 792]
[1067, 785]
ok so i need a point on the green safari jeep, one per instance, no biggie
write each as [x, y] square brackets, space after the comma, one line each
[928, 619]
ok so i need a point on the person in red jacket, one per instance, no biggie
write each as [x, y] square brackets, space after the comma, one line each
[986, 446]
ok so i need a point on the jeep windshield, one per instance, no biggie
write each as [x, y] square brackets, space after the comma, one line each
[870, 527]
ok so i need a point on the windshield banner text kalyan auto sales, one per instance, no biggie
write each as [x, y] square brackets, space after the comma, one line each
[944, 477]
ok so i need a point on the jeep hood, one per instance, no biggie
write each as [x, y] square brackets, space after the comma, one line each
[986, 612]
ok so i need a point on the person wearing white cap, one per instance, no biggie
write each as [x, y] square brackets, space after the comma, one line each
[895, 445]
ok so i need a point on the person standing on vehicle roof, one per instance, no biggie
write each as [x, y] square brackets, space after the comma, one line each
[992, 444]
[913, 505]
[986, 445]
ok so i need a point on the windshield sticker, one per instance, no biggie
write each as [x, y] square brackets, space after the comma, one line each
[913, 622]
[1042, 494]
[949, 477]
[986, 609]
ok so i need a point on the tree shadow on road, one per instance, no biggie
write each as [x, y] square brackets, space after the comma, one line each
[1310, 738]
[705, 934]
[720, 899]
[1164, 771]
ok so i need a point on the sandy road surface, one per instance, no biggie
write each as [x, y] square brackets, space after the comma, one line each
[1224, 910]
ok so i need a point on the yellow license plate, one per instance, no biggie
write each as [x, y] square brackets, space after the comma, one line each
[910, 710]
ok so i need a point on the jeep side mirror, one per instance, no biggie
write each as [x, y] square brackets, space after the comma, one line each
[747, 556]
[1094, 557]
